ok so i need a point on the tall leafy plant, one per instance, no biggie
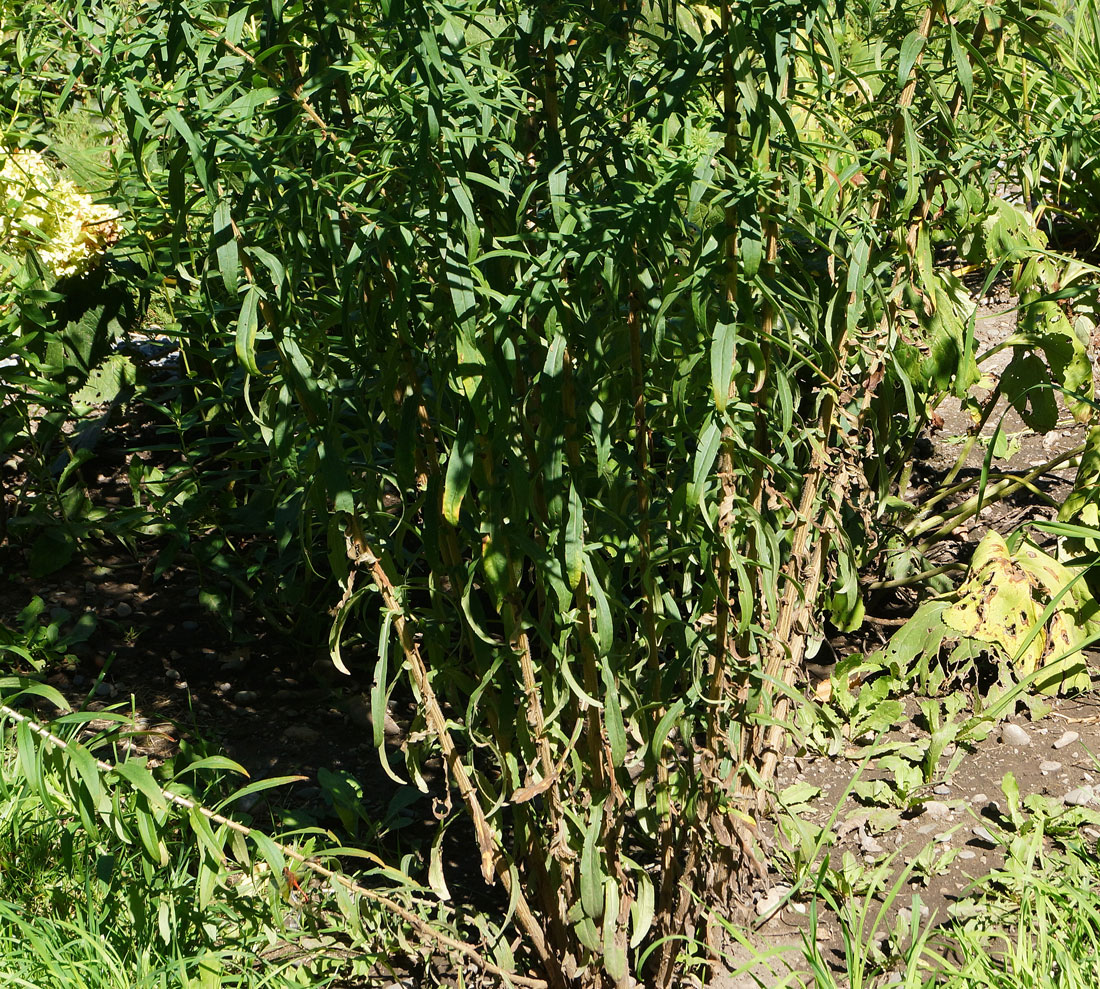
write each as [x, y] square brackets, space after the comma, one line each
[581, 343]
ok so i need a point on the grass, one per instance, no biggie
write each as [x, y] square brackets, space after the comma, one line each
[85, 910]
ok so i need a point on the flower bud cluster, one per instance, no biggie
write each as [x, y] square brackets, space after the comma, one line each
[68, 229]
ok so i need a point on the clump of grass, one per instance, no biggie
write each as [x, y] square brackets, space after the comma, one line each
[85, 907]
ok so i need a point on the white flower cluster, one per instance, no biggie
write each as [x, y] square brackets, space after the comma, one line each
[68, 229]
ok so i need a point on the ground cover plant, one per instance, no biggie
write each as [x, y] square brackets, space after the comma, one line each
[564, 364]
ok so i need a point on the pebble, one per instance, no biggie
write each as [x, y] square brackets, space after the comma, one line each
[223, 688]
[1049, 766]
[301, 733]
[1082, 796]
[103, 689]
[979, 798]
[983, 834]
[769, 902]
[245, 697]
[870, 846]
[1066, 738]
[967, 854]
[943, 789]
[936, 809]
[171, 674]
[1014, 735]
[123, 610]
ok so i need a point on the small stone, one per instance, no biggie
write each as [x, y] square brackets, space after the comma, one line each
[1049, 766]
[982, 834]
[171, 674]
[967, 854]
[223, 688]
[302, 734]
[245, 697]
[103, 689]
[943, 789]
[870, 846]
[942, 838]
[1082, 796]
[936, 809]
[1066, 738]
[979, 798]
[1014, 735]
[770, 901]
[123, 610]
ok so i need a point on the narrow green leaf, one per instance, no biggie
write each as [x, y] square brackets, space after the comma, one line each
[664, 726]
[226, 248]
[212, 762]
[591, 872]
[642, 909]
[271, 852]
[614, 949]
[574, 538]
[149, 836]
[460, 466]
[723, 349]
[613, 716]
[247, 325]
[86, 766]
[911, 48]
[135, 772]
[963, 70]
[705, 452]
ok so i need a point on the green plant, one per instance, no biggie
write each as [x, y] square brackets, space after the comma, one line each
[577, 351]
